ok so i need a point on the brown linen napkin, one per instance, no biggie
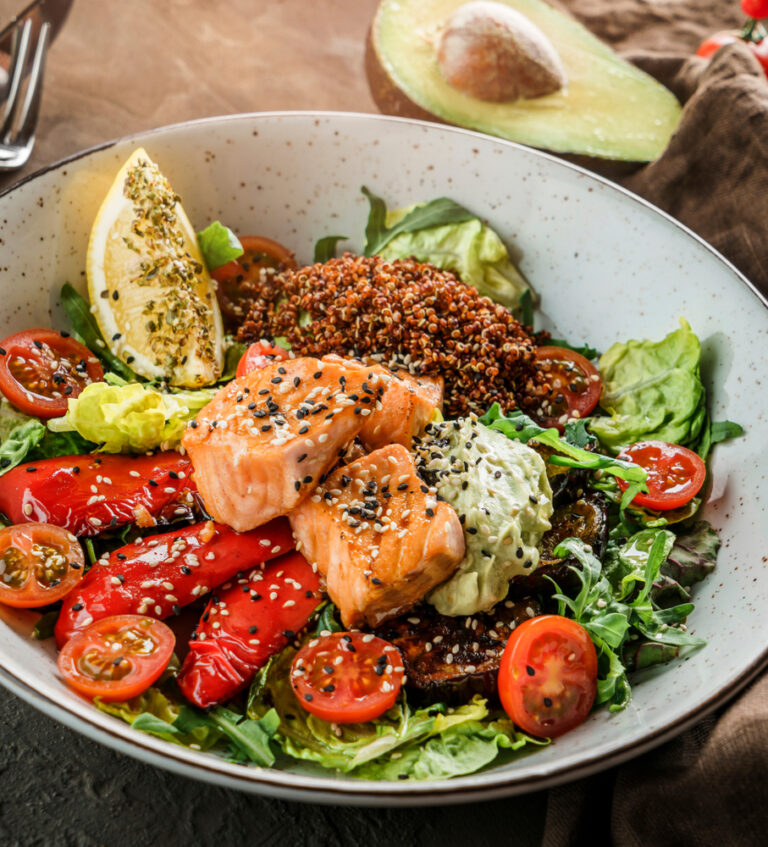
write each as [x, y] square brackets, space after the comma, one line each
[710, 785]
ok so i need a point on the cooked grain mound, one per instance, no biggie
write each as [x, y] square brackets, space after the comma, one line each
[405, 312]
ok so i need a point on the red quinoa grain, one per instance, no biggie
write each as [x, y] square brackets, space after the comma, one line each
[405, 312]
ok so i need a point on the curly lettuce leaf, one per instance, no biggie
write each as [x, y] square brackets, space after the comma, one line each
[219, 245]
[156, 713]
[428, 743]
[652, 390]
[132, 417]
[464, 245]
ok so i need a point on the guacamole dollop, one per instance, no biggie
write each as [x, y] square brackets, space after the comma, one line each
[499, 488]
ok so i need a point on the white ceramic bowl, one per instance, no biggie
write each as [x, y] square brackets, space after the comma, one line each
[607, 265]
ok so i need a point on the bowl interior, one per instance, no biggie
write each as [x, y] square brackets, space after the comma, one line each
[606, 265]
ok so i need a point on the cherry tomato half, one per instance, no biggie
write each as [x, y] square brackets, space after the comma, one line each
[258, 356]
[548, 675]
[347, 677]
[573, 382]
[40, 369]
[675, 473]
[117, 658]
[241, 280]
[711, 45]
[39, 564]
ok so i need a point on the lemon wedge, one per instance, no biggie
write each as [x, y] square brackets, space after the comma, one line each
[150, 292]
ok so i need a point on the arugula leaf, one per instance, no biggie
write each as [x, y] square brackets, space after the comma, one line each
[16, 446]
[519, 426]
[327, 620]
[713, 432]
[249, 736]
[87, 331]
[620, 610]
[325, 248]
[43, 629]
[576, 433]
[585, 350]
[437, 212]
[219, 245]
[525, 303]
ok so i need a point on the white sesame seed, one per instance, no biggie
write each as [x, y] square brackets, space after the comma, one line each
[28, 509]
[158, 610]
[95, 521]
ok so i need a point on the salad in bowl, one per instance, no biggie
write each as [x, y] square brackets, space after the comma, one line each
[358, 512]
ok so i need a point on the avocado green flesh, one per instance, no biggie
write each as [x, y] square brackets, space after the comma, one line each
[608, 108]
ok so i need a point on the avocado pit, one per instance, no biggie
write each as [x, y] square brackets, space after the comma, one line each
[494, 53]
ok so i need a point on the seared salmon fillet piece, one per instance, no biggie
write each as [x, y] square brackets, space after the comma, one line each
[379, 536]
[407, 405]
[267, 438]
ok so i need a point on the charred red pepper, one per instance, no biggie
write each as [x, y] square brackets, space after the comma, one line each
[244, 624]
[158, 575]
[90, 494]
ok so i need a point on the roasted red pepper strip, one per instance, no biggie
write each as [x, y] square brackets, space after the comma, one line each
[89, 494]
[246, 623]
[158, 575]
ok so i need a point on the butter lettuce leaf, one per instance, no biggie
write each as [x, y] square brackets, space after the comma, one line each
[219, 245]
[132, 417]
[652, 390]
[469, 248]
[21, 439]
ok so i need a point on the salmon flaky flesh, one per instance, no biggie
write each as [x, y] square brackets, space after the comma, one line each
[267, 438]
[409, 403]
[379, 536]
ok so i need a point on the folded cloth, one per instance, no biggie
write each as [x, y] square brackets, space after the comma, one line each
[713, 177]
[708, 787]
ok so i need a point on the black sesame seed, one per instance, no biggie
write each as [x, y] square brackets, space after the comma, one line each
[547, 702]
[77, 607]
[317, 374]
[115, 295]
[297, 485]
[472, 530]
[153, 483]
[330, 687]
[289, 633]
[185, 570]
[529, 670]
[31, 469]
[253, 629]
[309, 698]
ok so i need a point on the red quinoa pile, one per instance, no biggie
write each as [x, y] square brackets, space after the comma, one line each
[400, 312]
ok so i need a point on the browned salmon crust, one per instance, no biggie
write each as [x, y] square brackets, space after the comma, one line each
[452, 658]
[378, 536]
[268, 438]
[406, 311]
[408, 404]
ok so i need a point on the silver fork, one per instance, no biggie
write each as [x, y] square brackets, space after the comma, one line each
[22, 105]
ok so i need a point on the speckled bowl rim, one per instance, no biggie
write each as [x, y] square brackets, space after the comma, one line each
[312, 789]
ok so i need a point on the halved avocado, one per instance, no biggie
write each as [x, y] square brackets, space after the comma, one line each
[608, 109]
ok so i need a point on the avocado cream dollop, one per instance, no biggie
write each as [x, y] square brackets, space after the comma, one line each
[499, 488]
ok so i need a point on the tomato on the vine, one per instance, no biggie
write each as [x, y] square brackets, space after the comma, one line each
[117, 658]
[347, 677]
[753, 34]
[755, 8]
[675, 474]
[40, 369]
[548, 675]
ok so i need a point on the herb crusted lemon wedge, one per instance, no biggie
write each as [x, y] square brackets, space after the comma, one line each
[151, 294]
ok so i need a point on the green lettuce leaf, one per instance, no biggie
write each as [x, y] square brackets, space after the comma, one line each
[23, 438]
[132, 417]
[219, 245]
[459, 242]
[652, 390]
[87, 331]
[428, 743]
[158, 714]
